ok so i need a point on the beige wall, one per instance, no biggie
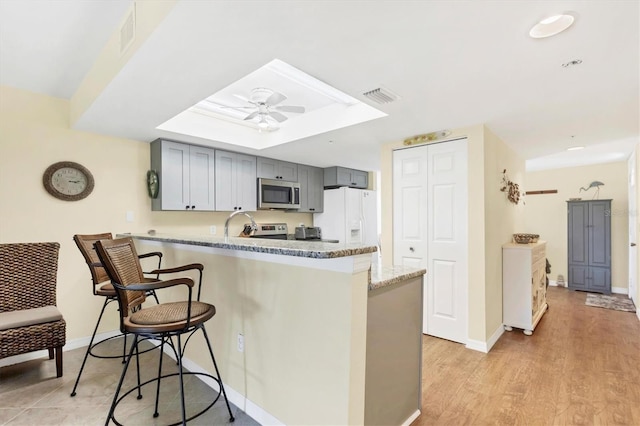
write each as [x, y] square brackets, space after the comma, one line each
[502, 220]
[34, 133]
[492, 220]
[547, 214]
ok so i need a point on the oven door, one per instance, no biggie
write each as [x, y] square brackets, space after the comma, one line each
[277, 194]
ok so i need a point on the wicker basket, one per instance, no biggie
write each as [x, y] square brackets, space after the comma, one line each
[525, 238]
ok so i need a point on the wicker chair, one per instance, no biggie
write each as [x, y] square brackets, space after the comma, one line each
[160, 322]
[29, 319]
[101, 286]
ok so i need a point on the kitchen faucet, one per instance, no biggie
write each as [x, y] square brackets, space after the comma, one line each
[226, 223]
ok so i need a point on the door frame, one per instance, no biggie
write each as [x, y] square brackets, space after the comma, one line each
[633, 231]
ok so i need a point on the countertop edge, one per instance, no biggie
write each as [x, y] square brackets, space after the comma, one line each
[278, 247]
[385, 277]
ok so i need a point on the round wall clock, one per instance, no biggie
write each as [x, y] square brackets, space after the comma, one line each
[68, 181]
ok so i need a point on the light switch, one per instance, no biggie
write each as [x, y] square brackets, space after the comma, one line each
[129, 216]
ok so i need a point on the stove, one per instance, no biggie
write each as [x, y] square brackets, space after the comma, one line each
[274, 231]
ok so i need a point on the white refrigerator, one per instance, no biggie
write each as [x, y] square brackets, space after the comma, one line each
[350, 216]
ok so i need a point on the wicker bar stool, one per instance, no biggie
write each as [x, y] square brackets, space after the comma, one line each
[101, 286]
[160, 322]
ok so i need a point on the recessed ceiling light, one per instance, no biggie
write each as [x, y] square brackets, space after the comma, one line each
[575, 148]
[551, 26]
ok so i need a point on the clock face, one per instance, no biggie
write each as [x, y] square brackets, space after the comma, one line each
[68, 181]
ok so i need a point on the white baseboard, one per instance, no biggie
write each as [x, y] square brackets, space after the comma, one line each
[620, 290]
[411, 418]
[253, 410]
[553, 283]
[480, 346]
[70, 345]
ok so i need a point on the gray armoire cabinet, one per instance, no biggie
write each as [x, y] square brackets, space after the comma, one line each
[589, 241]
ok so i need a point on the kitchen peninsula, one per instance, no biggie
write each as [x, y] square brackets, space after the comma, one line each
[325, 338]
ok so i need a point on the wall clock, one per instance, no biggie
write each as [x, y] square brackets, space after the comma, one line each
[68, 181]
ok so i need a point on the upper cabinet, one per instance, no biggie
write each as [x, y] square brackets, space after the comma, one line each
[186, 174]
[269, 168]
[341, 176]
[311, 181]
[235, 181]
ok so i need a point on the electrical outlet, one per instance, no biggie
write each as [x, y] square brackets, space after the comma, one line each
[240, 343]
[212, 230]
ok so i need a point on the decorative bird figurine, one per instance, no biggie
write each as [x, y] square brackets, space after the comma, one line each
[595, 184]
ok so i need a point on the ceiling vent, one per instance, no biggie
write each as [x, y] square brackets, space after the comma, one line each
[381, 95]
[128, 30]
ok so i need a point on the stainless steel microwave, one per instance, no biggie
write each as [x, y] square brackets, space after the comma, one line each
[278, 194]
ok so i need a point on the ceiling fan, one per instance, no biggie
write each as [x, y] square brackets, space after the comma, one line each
[264, 103]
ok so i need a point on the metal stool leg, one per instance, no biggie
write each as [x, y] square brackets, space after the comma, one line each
[93, 336]
[134, 345]
[156, 413]
[215, 365]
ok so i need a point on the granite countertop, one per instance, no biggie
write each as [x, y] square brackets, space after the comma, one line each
[312, 249]
[383, 276]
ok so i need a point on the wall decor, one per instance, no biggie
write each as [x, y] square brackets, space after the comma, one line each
[68, 181]
[511, 188]
[153, 183]
[595, 184]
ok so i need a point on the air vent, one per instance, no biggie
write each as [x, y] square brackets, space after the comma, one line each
[381, 95]
[128, 30]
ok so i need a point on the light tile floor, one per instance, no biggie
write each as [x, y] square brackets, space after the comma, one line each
[30, 393]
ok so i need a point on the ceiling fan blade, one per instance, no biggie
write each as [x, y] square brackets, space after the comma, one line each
[242, 98]
[252, 115]
[290, 108]
[237, 107]
[277, 116]
[275, 98]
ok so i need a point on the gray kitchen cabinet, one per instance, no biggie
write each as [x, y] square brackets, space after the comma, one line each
[589, 240]
[235, 181]
[186, 175]
[335, 177]
[311, 181]
[269, 168]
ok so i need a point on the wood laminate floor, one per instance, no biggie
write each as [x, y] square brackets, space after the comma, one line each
[580, 367]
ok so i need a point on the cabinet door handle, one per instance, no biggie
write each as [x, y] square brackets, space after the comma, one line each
[313, 210]
[193, 207]
[411, 249]
[239, 208]
[633, 244]
[186, 207]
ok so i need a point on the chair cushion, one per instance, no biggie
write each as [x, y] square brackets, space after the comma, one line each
[25, 317]
[167, 313]
[105, 290]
